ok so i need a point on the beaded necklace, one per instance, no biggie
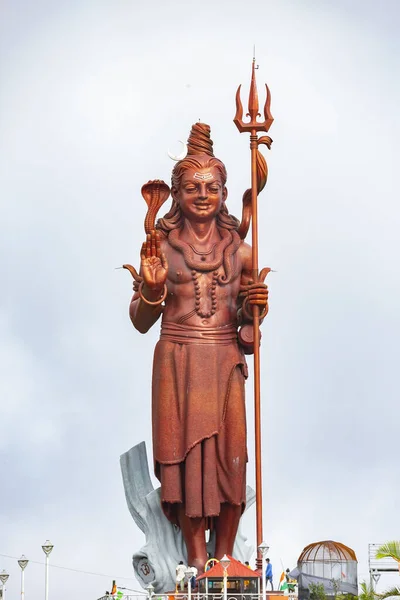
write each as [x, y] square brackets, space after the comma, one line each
[229, 242]
[213, 294]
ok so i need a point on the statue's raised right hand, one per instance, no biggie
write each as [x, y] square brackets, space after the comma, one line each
[154, 265]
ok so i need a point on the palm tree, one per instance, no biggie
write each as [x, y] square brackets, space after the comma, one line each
[390, 592]
[367, 591]
[389, 550]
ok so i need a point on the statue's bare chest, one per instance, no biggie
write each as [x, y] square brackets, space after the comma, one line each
[203, 268]
[198, 291]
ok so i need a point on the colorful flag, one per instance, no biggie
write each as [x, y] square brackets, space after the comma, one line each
[284, 586]
[282, 582]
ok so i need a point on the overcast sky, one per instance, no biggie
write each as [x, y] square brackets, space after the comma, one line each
[92, 94]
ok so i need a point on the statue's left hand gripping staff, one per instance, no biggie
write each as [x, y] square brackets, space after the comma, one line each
[155, 194]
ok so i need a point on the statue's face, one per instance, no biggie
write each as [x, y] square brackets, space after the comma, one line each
[201, 194]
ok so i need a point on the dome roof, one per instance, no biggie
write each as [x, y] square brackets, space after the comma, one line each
[327, 551]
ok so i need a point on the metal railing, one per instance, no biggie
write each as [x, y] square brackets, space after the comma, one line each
[198, 596]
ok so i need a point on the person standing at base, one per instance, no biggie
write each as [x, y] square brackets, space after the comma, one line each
[193, 578]
[268, 574]
[180, 576]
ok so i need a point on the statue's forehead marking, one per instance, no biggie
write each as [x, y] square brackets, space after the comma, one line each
[203, 176]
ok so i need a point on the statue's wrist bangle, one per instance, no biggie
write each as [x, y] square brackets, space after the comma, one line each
[157, 302]
[248, 310]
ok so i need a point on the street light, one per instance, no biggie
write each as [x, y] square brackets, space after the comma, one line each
[263, 549]
[189, 575]
[47, 548]
[150, 590]
[3, 578]
[225, 562]
[23, 561]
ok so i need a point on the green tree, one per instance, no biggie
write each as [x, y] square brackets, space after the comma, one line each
[395, 591]
[335, 587]
[367, 591]
[317, 591]
[389, 550]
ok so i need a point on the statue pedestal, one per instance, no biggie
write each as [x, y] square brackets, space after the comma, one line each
[156, 561]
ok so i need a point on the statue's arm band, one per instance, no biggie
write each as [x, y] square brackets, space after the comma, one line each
[157, 302]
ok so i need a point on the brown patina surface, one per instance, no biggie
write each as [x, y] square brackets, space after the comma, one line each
[197, 262]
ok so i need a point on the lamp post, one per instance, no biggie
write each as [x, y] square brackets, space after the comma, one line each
[23, 561]
[3, 578]
[189, 575]
[225, 562]
[263, 549]
[150, 590]
[47, 548]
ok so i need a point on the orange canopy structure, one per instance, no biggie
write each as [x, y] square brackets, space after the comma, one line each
[236, 569]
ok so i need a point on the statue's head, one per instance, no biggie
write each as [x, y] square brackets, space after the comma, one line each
[199, 155]
[200, 168]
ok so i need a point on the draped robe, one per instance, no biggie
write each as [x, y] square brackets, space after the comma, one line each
[199, 420]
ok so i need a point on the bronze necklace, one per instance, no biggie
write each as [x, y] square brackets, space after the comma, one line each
[184, 248]
[204, 253]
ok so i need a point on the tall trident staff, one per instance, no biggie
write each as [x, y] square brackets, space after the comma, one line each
[259, 172]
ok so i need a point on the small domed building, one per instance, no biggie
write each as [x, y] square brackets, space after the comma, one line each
[331, 563]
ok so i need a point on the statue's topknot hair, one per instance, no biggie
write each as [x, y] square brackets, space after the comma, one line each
[199, 141]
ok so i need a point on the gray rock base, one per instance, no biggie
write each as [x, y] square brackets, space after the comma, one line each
[155, 563]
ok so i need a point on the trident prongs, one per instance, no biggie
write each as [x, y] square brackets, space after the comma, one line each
[253, 125]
